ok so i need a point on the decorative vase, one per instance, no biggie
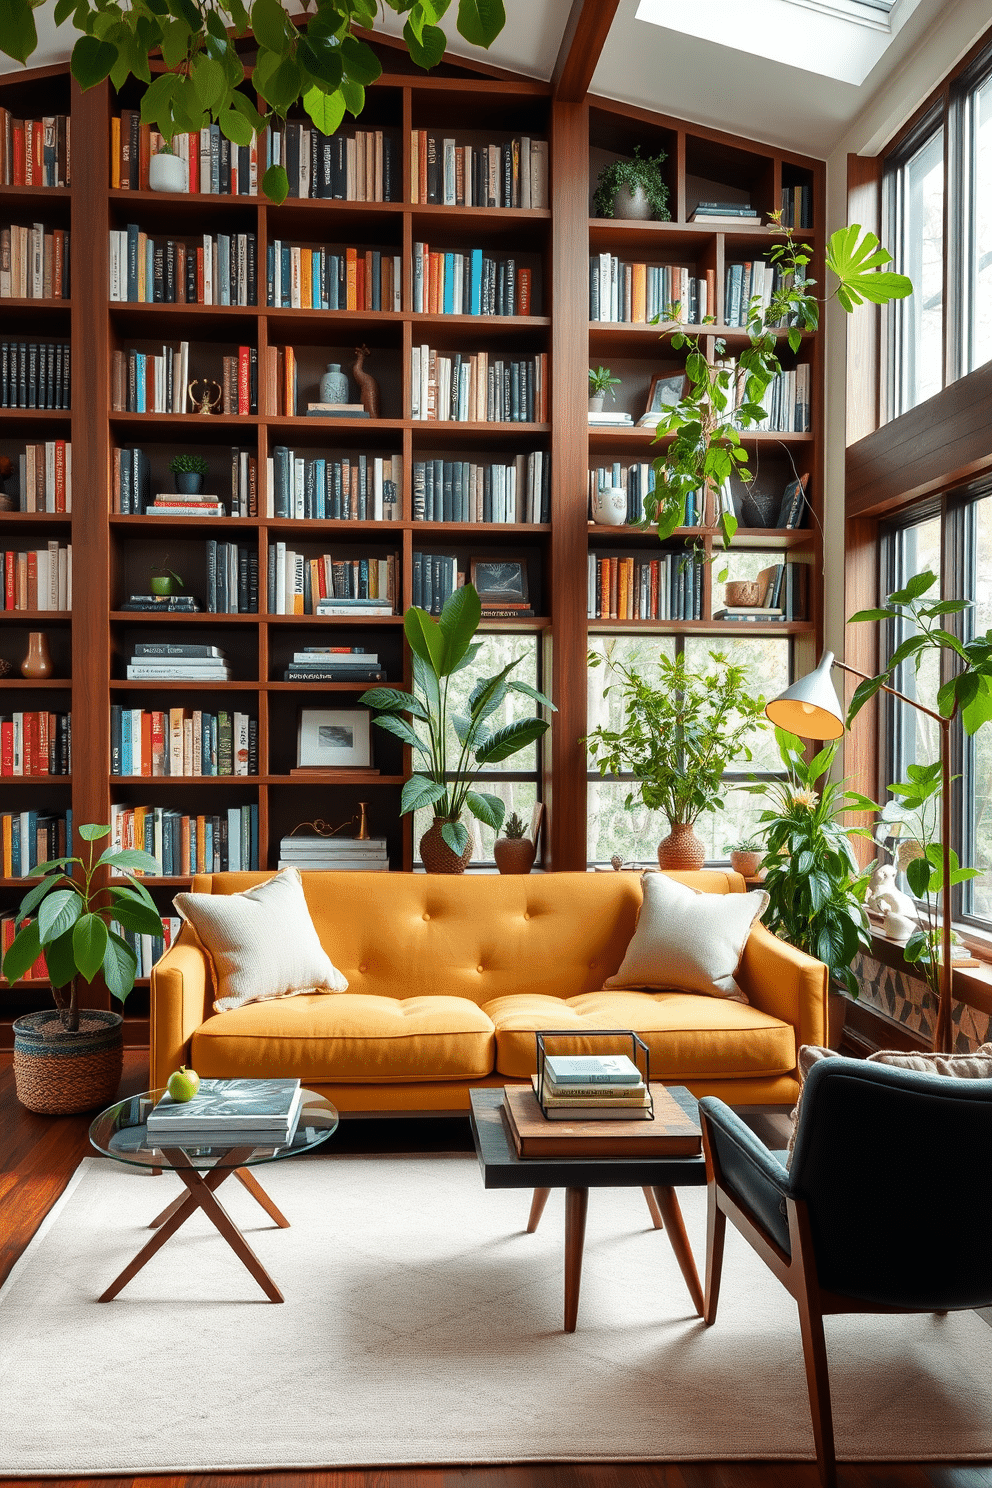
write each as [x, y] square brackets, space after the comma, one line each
[334, 385]
[167, 173]
[437, 855]
[38, 662]
[188, 482]
[609, 506]
[57, 1073]
[633, 205]
[596, 402]
[681, 849]
[514, 854]
[747, 864]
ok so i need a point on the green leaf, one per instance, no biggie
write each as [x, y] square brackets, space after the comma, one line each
[208, 80]
[862, 693]
[18, 34]
[91, 60]
[419, 792]
[23, 952]
[488, 809]
[283, 85]
[35, 895]
[269, 22]
[428, 50]
[60, 960]
[455, 834]
[136, 893]
[90, 833]
[137, 917]
[856, 261]
[360, 61]
[510, 740]
[235, 127]
[321, 61]
[527, 691]
[392, 700]
[89, 941]
[129, 857]
[458, 622]
[425, 639]
[402, 730]
[863, 615]
[325, 109]
[275, 184]
[119, 967]
[58, 913]
[175, 48]
[918, 875]
[354, 96]
[481, 21]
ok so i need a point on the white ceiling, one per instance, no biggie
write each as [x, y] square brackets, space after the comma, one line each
[681, 75]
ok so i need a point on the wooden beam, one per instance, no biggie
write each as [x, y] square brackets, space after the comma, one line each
[585, 36]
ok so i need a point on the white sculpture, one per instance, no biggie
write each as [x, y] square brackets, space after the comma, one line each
[901, 917]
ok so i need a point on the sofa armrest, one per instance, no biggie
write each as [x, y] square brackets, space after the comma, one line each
[785, 982]
[181, 997]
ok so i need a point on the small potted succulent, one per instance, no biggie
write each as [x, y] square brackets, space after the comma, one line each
[633, 188]
[745, 856]
[514, 851]
[167, 170]
[165, 580]
[189, 471]
[601, 383]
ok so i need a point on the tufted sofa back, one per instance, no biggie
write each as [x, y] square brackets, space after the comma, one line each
[417, 934]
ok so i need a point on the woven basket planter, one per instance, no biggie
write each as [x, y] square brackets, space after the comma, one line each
[681, 849]
[58, 1073]
[437, 855]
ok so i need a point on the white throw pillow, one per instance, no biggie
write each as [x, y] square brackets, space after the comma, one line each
[261, 943]
[686, 941]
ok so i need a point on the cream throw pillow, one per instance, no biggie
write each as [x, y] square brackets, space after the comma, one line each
[686, 941]
[261, 943]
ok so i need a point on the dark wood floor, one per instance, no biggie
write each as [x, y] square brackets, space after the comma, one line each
[38, 1156]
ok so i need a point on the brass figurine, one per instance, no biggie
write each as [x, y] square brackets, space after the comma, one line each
[206, 403]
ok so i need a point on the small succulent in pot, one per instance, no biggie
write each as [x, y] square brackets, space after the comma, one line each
[514, 851]
[745, 856]
[601, 383]
[189, 471]
[639, 185]
[165, 580]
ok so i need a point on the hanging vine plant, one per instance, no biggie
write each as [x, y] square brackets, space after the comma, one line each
[320, 62]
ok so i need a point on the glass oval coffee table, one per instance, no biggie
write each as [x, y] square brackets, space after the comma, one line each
[120, 1133]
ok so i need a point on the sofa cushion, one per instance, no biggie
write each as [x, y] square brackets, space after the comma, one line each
[351, 1037]
[261, 942]
[687, 940]
[689, 1037]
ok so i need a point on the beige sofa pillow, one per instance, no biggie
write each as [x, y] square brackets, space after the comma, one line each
[262, 943]
[687, 941]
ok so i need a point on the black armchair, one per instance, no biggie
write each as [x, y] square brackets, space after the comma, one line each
[886, 1207]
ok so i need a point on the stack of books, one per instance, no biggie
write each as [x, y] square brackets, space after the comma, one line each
[337, 410]
[178, 504]
[337, 605]
[607, 419]
[730, 213]
[165, 603]
[229, 1113]
[334, 664]
[334, 854]
[593, 1087]
[161, 661]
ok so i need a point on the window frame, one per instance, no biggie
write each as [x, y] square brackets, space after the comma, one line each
[932, 123]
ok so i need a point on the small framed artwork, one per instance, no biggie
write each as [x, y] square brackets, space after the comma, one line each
[500, 581]
[665, 392]
[334, 738]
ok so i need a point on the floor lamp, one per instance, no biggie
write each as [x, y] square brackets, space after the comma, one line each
[810, 708]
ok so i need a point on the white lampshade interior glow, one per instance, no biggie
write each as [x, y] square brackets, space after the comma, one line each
[810, 707]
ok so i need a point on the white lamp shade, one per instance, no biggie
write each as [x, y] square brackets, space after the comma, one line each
[810, 707]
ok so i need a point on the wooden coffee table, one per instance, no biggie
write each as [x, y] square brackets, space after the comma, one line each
[659, 1177]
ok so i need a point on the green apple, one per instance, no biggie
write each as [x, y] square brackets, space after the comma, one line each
[183, 1084]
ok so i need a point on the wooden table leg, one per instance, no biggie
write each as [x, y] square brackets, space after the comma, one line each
[653, 1209]
[213, 1179]
[537, 1204]
[576, 1206]
[672, 1215]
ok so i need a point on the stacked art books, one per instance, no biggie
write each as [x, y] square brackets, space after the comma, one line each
[592, 1087]
[163, 661]
[229, 1113]
[334, 664]
[334, 854]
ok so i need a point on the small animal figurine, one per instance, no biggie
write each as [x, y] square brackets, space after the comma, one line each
[885, 898]
[204, 400]
[368, 387]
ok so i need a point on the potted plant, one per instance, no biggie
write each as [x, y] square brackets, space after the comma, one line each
[633, 188]
[166, 170]
[189, 471]
[745, 856]
[65, 1059]
[441, 648]
[514, 851]
[676, 739]
[165, 580]
[601, 383]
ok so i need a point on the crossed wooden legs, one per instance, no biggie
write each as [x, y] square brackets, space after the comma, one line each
[200, 1195]
[665, 1214]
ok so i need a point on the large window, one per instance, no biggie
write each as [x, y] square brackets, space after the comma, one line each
[915, 192]
[976, 117]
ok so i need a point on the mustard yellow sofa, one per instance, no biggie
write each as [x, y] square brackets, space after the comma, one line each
[448, 979]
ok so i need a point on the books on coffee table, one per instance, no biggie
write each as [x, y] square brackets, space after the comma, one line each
[261, 1113]
[671, 1134]
[606, 1103]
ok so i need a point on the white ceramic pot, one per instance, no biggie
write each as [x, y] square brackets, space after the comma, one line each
[632, 205]
[609, 506]
[596, 401]
[167, 173]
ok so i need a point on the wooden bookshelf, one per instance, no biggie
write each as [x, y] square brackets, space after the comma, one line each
[560, 238]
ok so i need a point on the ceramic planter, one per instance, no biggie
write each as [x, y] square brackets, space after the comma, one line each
[188, 482]
[747, 864]
[167, 173]
[596, 401]
[514, 854]
[632, 205]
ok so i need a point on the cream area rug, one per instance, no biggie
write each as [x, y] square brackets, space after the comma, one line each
[423, 1325]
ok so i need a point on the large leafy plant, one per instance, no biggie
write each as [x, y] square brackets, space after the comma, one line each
[441, 648]
[815, 884]
[319, 61]
[721, 403]
[69, 918]
[678, 737]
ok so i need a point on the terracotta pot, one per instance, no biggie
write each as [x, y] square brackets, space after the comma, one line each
[38, 662]
[747, 864]
[437, 855]
[514, 854]
[58, 1073]
[681, 849]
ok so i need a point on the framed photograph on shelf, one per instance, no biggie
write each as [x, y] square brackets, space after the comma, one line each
[665, 392]
[500, 581]
[334, 739]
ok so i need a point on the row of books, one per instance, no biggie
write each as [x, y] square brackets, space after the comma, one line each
[182, 742]
[634, 293]
[232, 579]
[306, 278]
[472, 388]
[148, 382]
[219, 270]
[462, 491]
[131, 488]
[507, 173]
[8, 929]
[35, 152]
[334, 664]
[787, 401]
[470, 283]
[35, 374]
[34, 263]
[28, 838]
[160, 661]
[362, 166]
[148, 949]
[225, 842]
[797, 206]
[38, 578]
[633, 588]
[45, 477]
[350, 487]
[754, 278]
[436, 576]
[334, 854]
[636, 479]
[35, 743]
[229, 1113]
[301, 585]
[214, 165]
[785, 596]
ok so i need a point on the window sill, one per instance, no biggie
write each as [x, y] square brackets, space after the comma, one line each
[972, 984]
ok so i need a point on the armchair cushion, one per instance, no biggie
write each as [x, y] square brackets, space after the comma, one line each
[751, 1173]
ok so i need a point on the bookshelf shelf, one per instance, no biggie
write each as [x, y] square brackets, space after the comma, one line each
[25, 520]
[152, 684]
[15, 194]
[33, 684]
[168, 424]
[705, 627]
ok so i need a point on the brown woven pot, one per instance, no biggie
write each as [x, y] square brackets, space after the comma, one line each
[58, 1073]
[681, 849]
[514, 854]
[747, 864]
[437, 855]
